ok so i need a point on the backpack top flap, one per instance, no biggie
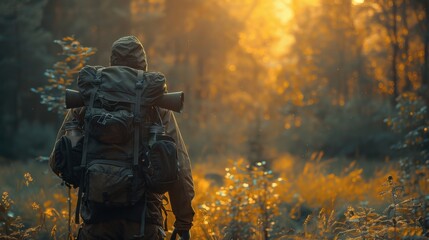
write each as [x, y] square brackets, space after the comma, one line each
[118, 84]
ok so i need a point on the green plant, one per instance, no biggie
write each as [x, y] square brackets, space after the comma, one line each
[12, 226]
[411, 121]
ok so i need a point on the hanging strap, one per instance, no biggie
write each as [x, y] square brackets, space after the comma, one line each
[70, 235]
[143, 220]
[159, 116]
[97, 83]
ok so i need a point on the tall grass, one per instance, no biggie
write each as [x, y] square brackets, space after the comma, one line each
[248, 202]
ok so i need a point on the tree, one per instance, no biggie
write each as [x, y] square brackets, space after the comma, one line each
[22, 62]
[327, 50]
[96, 23]
[420, 10]
[403, 26]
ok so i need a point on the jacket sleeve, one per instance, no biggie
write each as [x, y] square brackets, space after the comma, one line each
[182, 193]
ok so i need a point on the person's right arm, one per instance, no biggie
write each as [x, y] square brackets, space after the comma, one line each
[182, 193]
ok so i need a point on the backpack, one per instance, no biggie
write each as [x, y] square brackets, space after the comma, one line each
[117, 162]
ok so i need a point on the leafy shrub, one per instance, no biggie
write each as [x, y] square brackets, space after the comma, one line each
[63, 73]
[34, 206]
[247, 189]
[411, 121]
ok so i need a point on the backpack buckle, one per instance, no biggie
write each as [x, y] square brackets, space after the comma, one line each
[103, 119]
[139, 85]
[137, 119]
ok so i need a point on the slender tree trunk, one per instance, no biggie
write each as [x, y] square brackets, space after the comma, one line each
[202, 90]
[406, 46]
[395, 51]
[18, 56]
[425, 75]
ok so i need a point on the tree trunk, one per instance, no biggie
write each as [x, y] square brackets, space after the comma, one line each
[395, 49]
[425, 75]
[406, 46]
[18, 81]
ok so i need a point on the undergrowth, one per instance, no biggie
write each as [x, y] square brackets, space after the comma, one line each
[249, 202]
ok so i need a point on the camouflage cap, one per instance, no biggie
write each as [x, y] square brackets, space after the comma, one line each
[128, 51]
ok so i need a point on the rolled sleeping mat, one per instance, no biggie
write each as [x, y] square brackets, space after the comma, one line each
[171, 101]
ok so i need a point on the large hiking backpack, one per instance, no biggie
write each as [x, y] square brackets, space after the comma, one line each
[118, 164]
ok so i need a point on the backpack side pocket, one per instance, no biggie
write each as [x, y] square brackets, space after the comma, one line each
[163, 167]
[67, 159]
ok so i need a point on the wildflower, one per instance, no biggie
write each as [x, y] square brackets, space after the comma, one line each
[75, 44]
[28, 178]
[35, 206]
[6, 201]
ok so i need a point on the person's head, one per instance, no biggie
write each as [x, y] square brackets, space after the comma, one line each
[128, 51]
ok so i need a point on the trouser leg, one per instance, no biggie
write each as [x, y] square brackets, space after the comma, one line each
[100, 231]
[119, 229]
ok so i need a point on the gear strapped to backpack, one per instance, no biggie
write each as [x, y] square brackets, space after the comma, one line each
[118, 164]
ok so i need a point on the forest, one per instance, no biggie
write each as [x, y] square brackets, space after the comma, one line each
[303, 119]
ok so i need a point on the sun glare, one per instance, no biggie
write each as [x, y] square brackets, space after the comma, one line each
[357, 2]
[283, 10]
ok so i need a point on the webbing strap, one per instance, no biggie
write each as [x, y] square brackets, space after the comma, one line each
[140, 87]
[143, 221]
[137, 116]
[88, 112]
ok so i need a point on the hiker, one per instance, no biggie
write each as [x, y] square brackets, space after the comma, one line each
[104, 215]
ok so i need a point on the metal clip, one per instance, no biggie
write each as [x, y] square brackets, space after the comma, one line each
[103, 119]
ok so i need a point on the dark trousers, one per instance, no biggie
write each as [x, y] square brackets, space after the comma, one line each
[119, 230]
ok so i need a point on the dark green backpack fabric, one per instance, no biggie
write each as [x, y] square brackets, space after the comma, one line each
[118, 101]
[118, 85]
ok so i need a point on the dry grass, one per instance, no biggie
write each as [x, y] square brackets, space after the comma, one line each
[248, 202]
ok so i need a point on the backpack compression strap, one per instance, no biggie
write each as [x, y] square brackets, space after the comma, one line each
[140, 88]
[97, 84]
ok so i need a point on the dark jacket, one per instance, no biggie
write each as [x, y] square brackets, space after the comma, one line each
[128, 51]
